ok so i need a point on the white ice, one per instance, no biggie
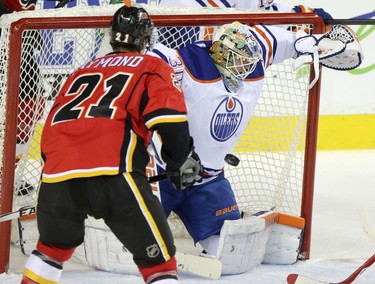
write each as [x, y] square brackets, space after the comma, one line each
[345, 181]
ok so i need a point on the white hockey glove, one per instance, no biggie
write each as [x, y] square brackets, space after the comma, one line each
[338, 49]
[189, 173]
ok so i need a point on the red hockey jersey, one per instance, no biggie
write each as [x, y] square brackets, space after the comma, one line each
[100, 122]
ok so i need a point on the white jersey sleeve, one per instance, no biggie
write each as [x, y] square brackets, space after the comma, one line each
[277, 43]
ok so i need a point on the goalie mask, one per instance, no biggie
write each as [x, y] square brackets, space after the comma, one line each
[131, 26]
[235, 53]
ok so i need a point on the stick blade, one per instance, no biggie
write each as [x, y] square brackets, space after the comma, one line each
[202, 266]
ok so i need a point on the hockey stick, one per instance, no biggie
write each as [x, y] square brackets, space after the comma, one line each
[157, 178]
[349, 22]
[366, 224]
[26, 212]
[230, 159]
[300, 279]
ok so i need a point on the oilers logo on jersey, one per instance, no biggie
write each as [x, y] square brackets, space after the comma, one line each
[226, 119]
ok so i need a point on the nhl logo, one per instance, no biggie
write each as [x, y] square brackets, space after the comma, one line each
[153, 251]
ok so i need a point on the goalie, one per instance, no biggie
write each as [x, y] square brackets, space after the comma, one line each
[224, 78]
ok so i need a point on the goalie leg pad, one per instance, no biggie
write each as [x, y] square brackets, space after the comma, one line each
[242, 244]
[24, 235]
[283, 245]
[268, 237]
[285, 239]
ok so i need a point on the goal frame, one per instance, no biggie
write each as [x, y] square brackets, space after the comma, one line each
[13, 78]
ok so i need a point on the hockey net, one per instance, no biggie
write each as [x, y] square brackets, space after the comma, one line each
[40, 49]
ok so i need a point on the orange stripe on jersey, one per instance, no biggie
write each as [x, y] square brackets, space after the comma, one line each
[204, 81]
[254, 79]
[268, 41]
[213, 4]
[306, 9]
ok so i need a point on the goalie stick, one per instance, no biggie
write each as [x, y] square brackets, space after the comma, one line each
[23, 213]
[230, 159]
[198, 265]
[301, 279]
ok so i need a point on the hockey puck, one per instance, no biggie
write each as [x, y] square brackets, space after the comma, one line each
[231, 160]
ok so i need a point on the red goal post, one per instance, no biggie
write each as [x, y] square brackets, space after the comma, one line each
[284, 180]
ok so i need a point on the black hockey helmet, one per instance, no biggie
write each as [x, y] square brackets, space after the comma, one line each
[131, 26]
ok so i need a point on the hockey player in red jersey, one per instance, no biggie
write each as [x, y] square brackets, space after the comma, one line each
[94, 150]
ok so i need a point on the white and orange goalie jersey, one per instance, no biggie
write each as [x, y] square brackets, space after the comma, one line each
[216, 116]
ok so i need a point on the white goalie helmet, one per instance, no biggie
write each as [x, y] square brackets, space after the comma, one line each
[235, 52]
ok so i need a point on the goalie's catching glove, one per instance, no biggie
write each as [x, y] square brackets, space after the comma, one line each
[189, 173]
[338, 49]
